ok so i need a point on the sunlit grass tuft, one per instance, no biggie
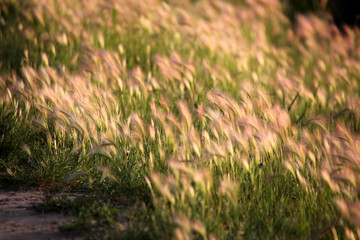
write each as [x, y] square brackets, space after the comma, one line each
[220, 121]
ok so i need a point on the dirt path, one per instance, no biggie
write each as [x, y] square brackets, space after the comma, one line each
[18, 219]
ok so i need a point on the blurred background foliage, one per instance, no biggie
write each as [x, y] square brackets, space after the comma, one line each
[341, 11]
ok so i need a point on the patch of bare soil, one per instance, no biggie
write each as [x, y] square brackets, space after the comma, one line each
[19, 220]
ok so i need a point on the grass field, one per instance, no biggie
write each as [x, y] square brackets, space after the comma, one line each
[213, 120]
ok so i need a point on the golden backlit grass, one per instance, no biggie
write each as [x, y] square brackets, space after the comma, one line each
[226, 120]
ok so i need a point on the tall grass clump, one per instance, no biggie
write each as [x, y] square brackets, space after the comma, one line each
[220, 120]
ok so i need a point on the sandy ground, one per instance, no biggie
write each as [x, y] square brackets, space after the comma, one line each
[18, 219]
